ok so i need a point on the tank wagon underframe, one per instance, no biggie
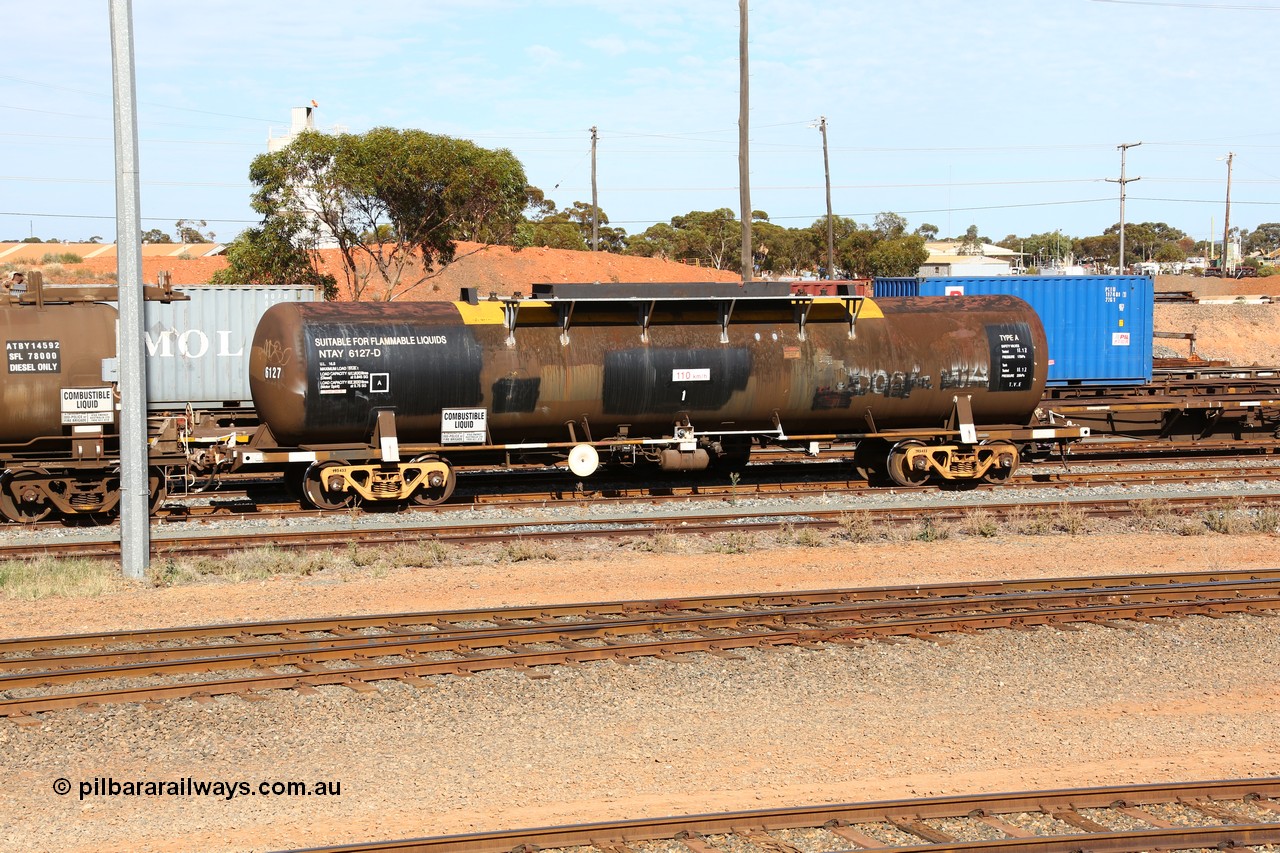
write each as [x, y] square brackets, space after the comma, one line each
[384, 402]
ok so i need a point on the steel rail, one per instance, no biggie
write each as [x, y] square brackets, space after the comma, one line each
[902, 592]
[508, 654]
[47, 670]
[620, 526]
[1205, 800]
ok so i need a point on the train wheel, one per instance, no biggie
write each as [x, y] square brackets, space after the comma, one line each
[434, 493]
[869, 459]
[316, 490]
[900, 468]
[20, 500]
[1004, 451]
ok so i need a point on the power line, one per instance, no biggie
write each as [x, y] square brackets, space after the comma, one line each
[107, 95]
[112, 217]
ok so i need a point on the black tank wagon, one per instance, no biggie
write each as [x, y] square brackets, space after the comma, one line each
[385, 401]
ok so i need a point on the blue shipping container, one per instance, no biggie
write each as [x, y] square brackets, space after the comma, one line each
[1099, 328]
[891, 287]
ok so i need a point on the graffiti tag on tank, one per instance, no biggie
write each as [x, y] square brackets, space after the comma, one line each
[897, 385]
[277, 356]
[964, 376]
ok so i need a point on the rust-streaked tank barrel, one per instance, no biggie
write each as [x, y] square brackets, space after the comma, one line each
[53, 369]
[321, 371]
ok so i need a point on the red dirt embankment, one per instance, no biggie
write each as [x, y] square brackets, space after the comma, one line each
[496, 269]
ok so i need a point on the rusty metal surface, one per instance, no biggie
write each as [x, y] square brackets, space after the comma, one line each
[313, 367]
[48, 349]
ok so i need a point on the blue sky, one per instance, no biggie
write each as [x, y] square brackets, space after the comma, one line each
[1001, 113]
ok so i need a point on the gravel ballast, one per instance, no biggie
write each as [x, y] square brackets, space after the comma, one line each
[1001, 710]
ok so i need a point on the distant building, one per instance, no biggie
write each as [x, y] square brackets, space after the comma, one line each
[303, 119]
[955, 258]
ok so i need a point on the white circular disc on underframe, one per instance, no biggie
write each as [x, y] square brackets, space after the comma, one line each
[584, 460]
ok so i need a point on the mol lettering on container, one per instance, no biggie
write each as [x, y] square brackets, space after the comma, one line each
[88, 406]
[464, 426]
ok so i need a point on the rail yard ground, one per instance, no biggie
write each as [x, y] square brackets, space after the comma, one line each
[1001, 710]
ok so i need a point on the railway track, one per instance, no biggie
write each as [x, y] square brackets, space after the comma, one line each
[1198, 815]
[789, 475]
[43, 674]
[795, 483]
[437, 529]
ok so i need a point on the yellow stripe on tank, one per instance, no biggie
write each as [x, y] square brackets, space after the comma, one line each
[489, 313]
[484, 314]
[869, 311]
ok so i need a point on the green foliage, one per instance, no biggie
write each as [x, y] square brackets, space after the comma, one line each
[657, 241]
[1263, 239]
[971, 243]
[551, 234]
[429, 190]
[853, 248]
[897, 256]
[188, 231]
[570, 228]
[268, 255]
[61, 258]
[890, 225]
[155, 235]
[1104, 247]
[788, 251]
[709, 237]
[1144, 240]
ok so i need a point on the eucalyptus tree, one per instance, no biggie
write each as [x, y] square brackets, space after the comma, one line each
[392, 202]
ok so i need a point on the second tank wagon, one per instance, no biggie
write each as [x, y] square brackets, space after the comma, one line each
[384, 400]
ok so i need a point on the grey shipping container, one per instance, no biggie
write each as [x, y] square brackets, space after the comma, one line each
[1099, 328]
[198, 350]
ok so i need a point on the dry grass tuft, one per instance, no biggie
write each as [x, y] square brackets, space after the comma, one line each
[52, 577]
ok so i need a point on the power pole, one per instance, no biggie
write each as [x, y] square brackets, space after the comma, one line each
[595, 208]
[1226, 222]
[1124, 149]
[135, 490]
[826, 168]
[744, 166]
